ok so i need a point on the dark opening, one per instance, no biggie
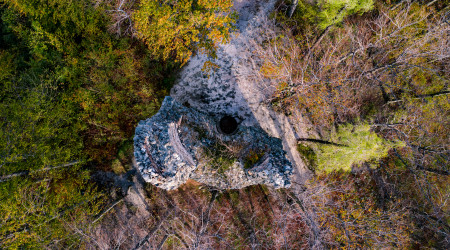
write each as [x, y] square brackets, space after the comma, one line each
[228, 125]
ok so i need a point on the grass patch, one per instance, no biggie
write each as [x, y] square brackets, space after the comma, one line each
[222, 164]
[219, 158]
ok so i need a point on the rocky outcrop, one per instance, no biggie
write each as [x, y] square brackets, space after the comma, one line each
[181, 143]
[237, 87]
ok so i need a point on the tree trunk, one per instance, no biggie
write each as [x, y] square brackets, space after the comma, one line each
[9, 176]
[292, 8]
[321, 142]
[154, 229]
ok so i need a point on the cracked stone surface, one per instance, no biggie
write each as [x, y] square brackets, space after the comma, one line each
[181, 143]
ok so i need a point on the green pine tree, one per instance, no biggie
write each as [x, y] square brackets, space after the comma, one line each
[334, 11]
[352, 145]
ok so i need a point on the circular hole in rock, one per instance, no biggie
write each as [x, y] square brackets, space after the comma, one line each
[228, 125]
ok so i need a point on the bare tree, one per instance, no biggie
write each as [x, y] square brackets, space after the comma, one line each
[121, 17]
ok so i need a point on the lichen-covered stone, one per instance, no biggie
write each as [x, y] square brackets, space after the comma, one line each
[181, 143]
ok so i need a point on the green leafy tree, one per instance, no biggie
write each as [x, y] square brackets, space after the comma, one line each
[302, 16]
[177, 28]
[120, 88]
[60, 24]
[41, 182]
[44, 187]
[37, 211]
[334, 11]
[102, 77]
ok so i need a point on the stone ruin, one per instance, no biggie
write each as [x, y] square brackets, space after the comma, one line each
[180, 143]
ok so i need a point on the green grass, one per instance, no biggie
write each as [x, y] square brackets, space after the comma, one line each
[222, 164]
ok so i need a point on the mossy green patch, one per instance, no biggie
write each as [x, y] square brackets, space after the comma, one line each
[307, 154]
[122, 162]
[219, 158]
[117, 167]
[222, 164]
[252, 158]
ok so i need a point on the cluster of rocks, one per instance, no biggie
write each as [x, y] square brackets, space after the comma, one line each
[181, 143]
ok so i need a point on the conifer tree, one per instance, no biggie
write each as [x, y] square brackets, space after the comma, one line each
[350, 146]
[334, 11]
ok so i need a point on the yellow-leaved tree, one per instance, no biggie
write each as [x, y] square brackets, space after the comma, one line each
[178, 28]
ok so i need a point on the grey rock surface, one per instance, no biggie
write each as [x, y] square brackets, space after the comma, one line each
[238, 88]
[181, 143]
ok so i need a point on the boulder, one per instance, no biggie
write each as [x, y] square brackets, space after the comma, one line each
[180, 143]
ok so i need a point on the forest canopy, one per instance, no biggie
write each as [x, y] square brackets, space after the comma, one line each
[182, 27]
[370, 77]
